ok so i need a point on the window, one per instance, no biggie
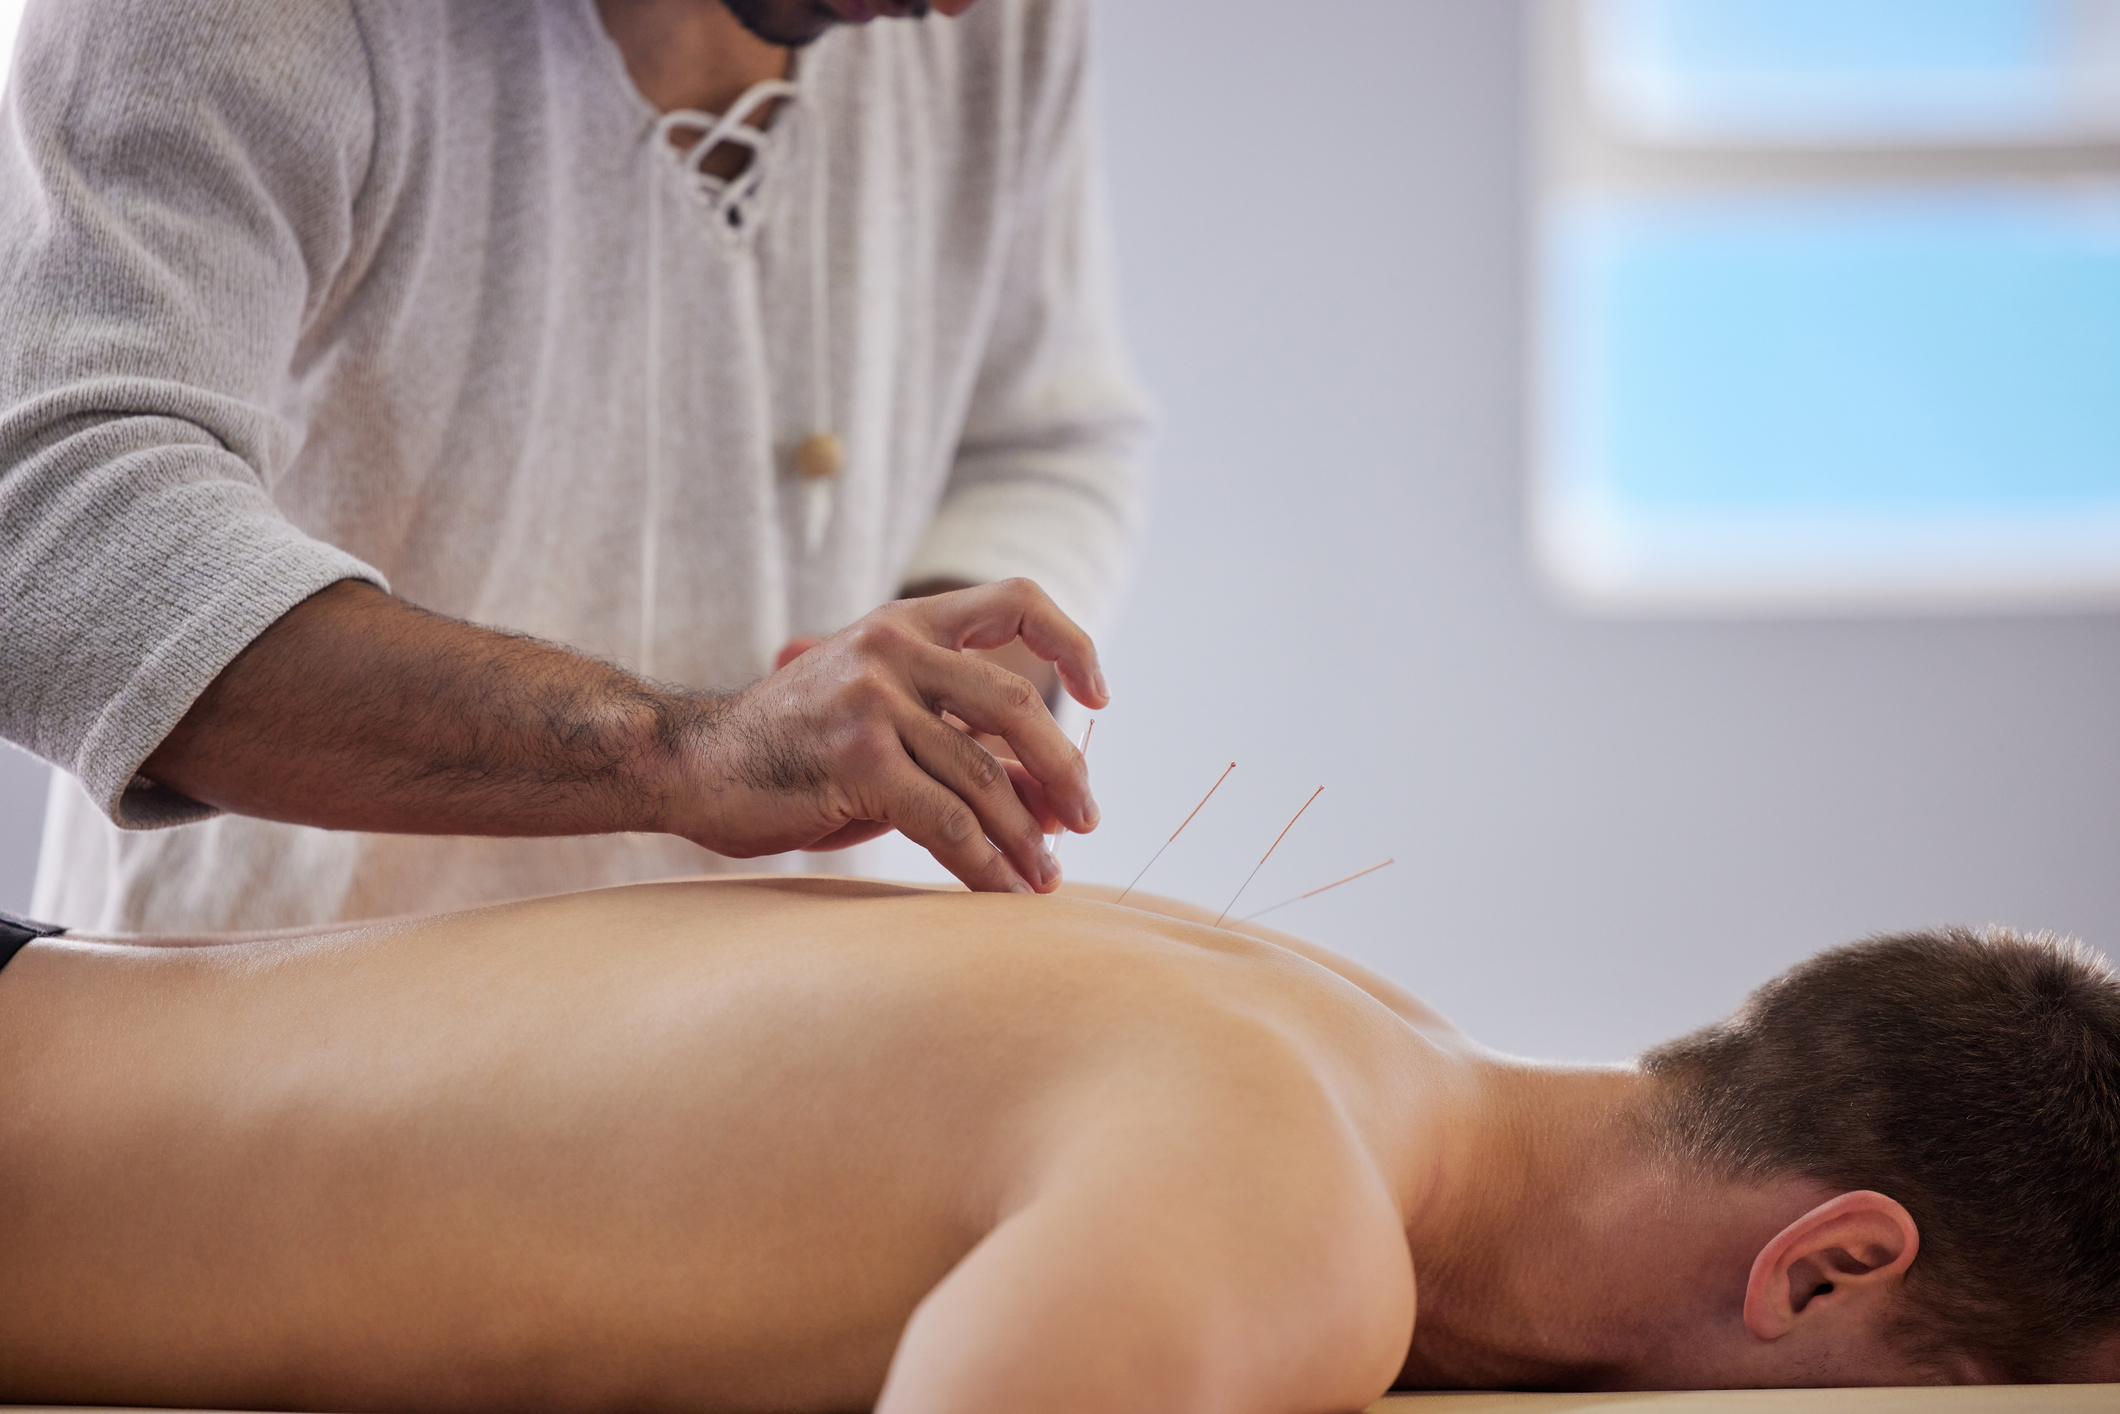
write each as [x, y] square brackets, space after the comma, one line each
[1841, 72]
[1830, 304]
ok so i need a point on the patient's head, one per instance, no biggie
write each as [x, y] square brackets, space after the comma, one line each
[1974, 1078]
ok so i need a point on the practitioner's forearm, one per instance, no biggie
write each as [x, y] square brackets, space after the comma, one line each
[359, 711]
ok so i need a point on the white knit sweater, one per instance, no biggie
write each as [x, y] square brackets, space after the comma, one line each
[407, 290]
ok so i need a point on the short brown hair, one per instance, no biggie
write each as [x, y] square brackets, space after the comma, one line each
[1974, 1077]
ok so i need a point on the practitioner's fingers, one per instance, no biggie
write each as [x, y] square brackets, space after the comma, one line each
[791, 650]
[848, 734]
[1028, 788]
[989, 698]
[1032, 795]
[982, 784]
[990, 615]
[935, 815]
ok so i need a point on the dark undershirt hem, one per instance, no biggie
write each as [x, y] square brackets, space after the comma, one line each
[16, 933]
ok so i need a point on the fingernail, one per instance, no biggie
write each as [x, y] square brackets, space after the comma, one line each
[1091, 814]
[1048, 867]
[1096, 677]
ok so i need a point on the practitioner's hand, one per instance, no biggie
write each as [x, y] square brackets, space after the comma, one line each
[1015, 658]
[849, 739]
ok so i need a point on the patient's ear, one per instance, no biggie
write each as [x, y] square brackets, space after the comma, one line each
[1843, 1253]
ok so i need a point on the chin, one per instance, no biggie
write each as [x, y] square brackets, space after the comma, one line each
[788, 23]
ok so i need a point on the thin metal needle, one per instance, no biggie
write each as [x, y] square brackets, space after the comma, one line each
[1266, 856]
[1315, 892]
[1054, 848]
[1177, 832]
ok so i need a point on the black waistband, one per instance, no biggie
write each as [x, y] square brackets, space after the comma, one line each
[14, 932]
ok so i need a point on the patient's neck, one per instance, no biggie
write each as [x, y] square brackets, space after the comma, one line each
[1567, 1250]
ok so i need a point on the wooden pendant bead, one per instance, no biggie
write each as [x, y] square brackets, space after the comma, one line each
[820, 457]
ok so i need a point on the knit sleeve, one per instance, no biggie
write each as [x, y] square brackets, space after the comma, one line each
[178, 181]
[1048, 480]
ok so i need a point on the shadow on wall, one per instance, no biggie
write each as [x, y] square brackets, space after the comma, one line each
[23, 781]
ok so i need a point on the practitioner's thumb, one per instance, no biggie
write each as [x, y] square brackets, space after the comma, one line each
[794, 649]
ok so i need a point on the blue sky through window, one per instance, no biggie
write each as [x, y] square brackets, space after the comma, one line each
[1855, 37]
[1840, 354]
[1832, 397]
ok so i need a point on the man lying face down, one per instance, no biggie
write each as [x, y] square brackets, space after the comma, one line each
[797, 1144]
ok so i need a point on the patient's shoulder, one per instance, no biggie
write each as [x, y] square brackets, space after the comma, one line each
[1265, 1216]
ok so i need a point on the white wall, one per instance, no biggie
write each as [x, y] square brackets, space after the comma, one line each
[1606, 831]
[21, 778]
[22, 784]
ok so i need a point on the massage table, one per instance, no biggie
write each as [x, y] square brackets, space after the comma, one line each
[1960, 1399]
[1969, 1399]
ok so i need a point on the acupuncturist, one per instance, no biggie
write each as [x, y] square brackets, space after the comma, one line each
[655, 334]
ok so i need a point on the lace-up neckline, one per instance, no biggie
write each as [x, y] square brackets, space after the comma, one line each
[730, 199]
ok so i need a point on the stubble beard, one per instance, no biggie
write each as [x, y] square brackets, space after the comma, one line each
[790, 24]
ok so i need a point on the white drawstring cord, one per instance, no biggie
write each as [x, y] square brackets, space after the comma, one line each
[651, 494]
[821, 455]
[820, 287]
[726, 198]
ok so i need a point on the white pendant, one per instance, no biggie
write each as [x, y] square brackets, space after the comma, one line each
[816, 514]
[818, 460]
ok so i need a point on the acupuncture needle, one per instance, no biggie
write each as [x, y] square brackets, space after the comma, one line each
[1319, 890]
[1177, 832]
[1266, 856]
[1083, 751]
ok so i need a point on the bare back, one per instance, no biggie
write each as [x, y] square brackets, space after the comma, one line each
[706, 1144]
